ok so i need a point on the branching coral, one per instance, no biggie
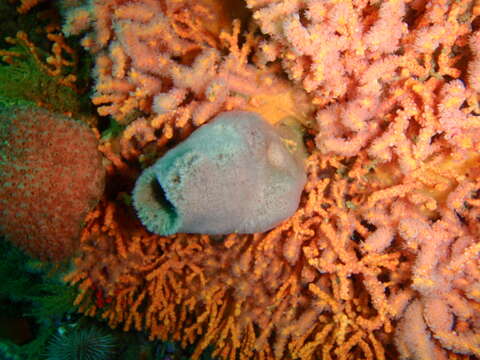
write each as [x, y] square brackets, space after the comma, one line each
[381, 73]
[246, 294]
[330, 282]
[163, 65]
[381, 259]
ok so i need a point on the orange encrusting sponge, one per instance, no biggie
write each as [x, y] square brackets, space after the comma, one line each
[51, 175]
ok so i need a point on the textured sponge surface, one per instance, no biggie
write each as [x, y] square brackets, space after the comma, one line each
[232, 175]
[51, 175]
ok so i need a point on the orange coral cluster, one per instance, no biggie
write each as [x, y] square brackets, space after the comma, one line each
[330, 283]
[381, 259]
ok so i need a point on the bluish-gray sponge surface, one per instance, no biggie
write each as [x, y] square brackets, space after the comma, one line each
[232, 175]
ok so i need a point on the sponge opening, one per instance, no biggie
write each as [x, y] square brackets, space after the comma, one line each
[155, 210]
[161, 198]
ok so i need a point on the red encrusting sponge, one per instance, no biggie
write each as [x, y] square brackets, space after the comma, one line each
[51, 175]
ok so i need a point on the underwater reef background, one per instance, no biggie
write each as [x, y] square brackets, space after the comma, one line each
[376, 109]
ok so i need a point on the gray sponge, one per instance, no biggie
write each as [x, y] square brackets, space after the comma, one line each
[232, 175]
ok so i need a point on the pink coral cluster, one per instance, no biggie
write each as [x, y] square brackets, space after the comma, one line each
[439, 309]
[379, 73]
[381, 259]
[51, 176]
[163, 67]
